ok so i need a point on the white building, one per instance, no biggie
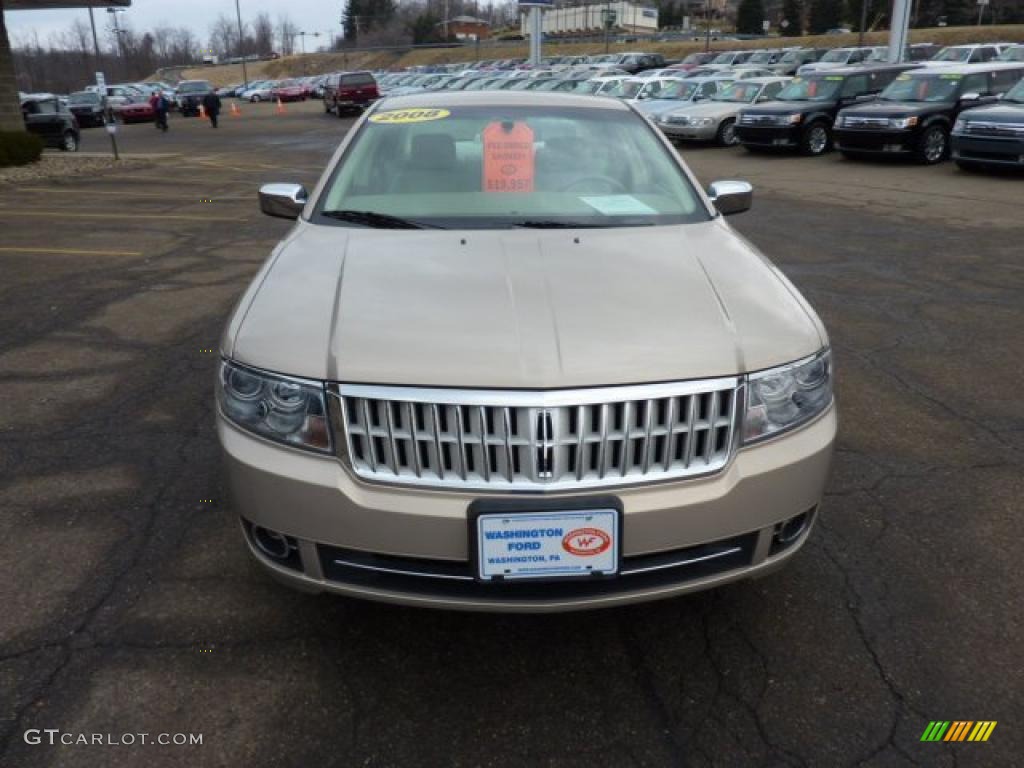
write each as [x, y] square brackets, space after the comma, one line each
[589, 19]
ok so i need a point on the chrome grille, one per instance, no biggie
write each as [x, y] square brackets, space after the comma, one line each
[531, 441]
[850, 121]
[756, 119]
[978, 128]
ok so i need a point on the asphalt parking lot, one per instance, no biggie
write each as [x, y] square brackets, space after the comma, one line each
[130, 606]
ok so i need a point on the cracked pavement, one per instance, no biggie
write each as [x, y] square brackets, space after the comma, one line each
[129, 605]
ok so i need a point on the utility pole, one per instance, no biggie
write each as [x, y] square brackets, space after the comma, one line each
[707, 27]
[103, 94]
[245, 73]
[863, 22]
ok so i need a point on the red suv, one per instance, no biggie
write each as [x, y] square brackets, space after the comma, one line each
[349, 92]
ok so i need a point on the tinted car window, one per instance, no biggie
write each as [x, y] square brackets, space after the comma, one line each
[854, 86]
[357, 80]
[1004, 80]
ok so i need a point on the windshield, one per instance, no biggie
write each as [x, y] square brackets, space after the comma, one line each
[1012, 54]
[793, 57]
[194, 87]
[761, 57]
[681, 90]
[624, 89]
[952, 54]
[724, 58]
[501, 167]
[923, 88]
[837, 56]
[84, 98]
[812, 89]
[586, 86]
[739, 92]
[1015, 94]
[695, 58]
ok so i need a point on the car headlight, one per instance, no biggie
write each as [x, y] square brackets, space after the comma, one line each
[286, 410]
[903, 122]
[960, 125]
[782, 398]
[795, 119]
[703, 121]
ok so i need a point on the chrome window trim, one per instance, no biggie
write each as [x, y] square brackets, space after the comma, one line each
[536, 398]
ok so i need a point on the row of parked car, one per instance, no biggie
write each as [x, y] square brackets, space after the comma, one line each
[964, 102]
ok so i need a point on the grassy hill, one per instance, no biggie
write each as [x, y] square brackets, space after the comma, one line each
[317, 63]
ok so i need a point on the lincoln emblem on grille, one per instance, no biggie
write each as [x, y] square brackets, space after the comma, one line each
[545, 446]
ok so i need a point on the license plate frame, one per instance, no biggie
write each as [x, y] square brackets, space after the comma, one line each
[482, 512]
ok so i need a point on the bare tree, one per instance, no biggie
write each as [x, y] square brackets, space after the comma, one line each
[224, 36]
[263, 34]
[286, 32]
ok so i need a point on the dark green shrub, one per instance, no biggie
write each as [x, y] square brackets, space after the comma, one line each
[19, 148]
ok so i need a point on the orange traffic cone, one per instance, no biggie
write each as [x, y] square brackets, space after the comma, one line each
[280, 107]
[202, 112]
[235, 111]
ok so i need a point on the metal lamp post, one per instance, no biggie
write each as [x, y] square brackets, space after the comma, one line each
[241, 35]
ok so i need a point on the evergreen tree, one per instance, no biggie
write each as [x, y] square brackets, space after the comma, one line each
[825, 15]
[750, 17]
[793, 12]
[362, 16]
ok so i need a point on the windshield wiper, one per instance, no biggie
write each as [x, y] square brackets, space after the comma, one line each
[552, 224]
[377, 220]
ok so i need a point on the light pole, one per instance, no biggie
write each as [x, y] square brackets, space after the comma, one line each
[863, 22]
[707, 27]
[117, 30]
[245, 73]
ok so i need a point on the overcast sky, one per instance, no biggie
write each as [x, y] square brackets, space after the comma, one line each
[309, 15]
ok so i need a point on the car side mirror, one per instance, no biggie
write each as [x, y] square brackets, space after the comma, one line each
[972, 96]
[731, 197]
[285, 201]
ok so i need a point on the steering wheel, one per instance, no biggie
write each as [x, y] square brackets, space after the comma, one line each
[614, 184]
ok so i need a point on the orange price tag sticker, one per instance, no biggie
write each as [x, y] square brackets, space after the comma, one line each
[508, 157]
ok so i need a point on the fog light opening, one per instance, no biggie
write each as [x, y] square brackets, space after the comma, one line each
[271, 543]
[791, 529]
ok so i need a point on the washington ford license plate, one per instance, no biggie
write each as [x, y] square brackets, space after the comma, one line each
[531, 545]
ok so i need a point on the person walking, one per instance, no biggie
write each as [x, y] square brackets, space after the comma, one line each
[211, 103]
[160, 107]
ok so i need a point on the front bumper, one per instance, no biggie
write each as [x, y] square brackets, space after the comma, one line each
[691, 132]
[777, 136]
[989, 150]
[410, 546]
[894, 142]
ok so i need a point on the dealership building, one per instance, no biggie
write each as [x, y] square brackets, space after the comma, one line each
[588, 19]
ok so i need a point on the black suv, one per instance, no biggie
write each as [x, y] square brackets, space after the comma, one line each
[915, 114]
[802, 117]
[87, 107]
[639, 62]
[795, 58]
[190, 96]
[47, 119]
[992, 135]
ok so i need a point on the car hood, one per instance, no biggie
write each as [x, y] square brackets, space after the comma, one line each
[1004, 112]
[660, 106]
[898, 108]
[716, 109]
[786, 107]
[519, 308]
